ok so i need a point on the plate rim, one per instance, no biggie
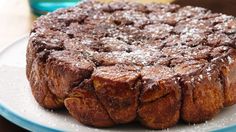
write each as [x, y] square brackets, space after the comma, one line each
[28, 124]
[24, 122]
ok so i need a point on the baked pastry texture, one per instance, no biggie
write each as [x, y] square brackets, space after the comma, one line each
[113, 63]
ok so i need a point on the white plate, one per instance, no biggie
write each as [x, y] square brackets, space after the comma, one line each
[18, 105]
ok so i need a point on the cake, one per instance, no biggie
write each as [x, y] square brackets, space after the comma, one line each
[119, 62]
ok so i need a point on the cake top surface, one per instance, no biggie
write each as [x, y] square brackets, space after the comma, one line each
[179, 38]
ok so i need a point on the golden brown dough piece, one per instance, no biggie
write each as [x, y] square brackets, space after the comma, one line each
[117, 87]
[227, 66]
[83, 104]
[38, 50]
[160, 97]
[65, 70]
[202, 91]
[39, 85]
